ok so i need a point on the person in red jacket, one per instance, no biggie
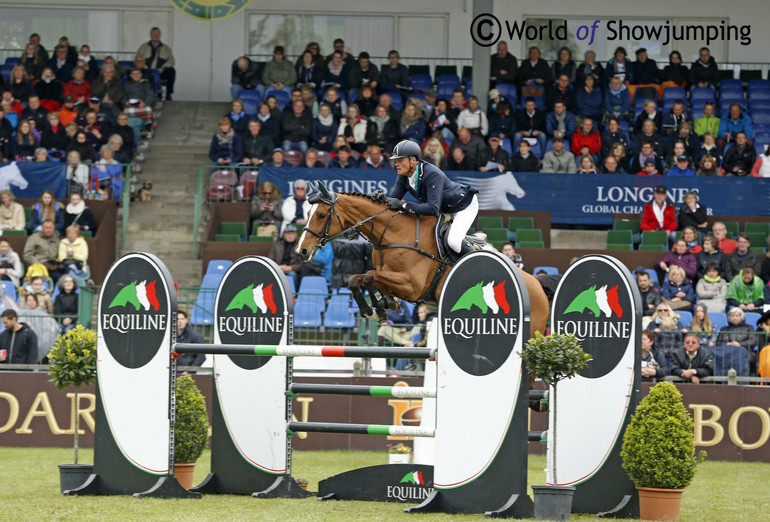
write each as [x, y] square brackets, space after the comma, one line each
[659, 214]
[587, 140]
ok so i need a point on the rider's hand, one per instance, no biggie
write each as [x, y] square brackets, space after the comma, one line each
[395, 204]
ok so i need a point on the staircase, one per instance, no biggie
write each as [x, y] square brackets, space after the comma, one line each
[164, 226]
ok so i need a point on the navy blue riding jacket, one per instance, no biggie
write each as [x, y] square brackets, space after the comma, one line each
[435, 192]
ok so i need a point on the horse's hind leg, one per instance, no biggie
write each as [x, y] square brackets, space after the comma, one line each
[378, 297]
[354, 284]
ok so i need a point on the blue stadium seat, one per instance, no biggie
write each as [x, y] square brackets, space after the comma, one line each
[718, 320]
[731, 89]
[550, 270]
[448, 79]
[313, 289]
[702, 94]
[674, 93]
[281, 97]
[759, 105]
[752, 318]
[250, 99]
[624, 126]
[5, 70]
[728, 99]
[508, 90]
[446, 91]
[339, 313]
[505, 144]
[396, 101]
[727, 356]
[203, 309]
[346, 291]
[9, 289]
[128, 64]
[307, 314]
[731, 83]
[653, 275]
[422, 81]
[685, 317]
[759, 95]
[218, 266]
[754, 85]
[468, 84]
[12, 60]
[761, 117]
[549, 146]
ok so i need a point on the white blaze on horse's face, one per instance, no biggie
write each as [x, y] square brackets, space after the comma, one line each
[601, 301]
[301, 241]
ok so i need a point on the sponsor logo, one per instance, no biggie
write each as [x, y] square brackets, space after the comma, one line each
[415, 477]
[598, 301]
[414, 488]
[254, 298]
[141, 295]
[484, 297]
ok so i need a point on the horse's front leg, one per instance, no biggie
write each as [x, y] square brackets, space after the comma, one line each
[382, 285]
[355, 282]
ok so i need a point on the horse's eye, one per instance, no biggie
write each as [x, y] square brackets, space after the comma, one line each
[321, 215]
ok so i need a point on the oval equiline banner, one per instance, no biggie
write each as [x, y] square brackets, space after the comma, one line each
[254, 305]
[135, 329]
[483, 321]
[597, 300]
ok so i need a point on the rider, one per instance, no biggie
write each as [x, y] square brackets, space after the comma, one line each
[434, 191]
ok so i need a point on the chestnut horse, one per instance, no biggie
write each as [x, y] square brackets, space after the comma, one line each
[405, 256]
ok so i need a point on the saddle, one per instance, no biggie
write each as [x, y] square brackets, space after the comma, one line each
[471, 243]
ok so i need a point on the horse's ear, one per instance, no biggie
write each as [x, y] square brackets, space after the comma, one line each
[324, 191]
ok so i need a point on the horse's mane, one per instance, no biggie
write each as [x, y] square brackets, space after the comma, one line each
[377, 196]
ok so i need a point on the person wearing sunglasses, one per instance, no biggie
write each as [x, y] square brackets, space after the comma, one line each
[266, 209]
[668, 336]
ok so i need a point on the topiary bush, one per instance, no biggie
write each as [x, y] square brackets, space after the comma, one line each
[192, 423]
[658, 446]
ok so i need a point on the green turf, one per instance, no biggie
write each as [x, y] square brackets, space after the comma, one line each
[29, 482]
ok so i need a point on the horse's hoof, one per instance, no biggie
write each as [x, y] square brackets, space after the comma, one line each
[382, 317]
[391, 304]
[369, 314]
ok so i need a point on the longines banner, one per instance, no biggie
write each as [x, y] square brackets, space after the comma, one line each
[589, 199]
[731, 422]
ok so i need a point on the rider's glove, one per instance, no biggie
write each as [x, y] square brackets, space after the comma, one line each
[395, 204]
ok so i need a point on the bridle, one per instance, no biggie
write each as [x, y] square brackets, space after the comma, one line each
[350, 232]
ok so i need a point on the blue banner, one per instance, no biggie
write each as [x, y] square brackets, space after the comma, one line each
[39, 176]
[587, 199]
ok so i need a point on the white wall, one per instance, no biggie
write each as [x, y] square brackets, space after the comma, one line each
[205, 50]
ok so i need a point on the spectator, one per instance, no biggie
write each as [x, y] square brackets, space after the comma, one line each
[503, 65]
[65, 308]
[740, 158]
[244, 74]
[88, 62]
[674, 74]
[73, 254]
[386, 101]
[708, 122]
[309, 73]
[648, 133]
[502, 123]
[646, 70]
[271, 124]
[279, 73]
[324, 128]
[565, 65]
[37, 287]
[709, 147]
[708, 167]
[693, 214]
[650, 295]
[373, 159]
[612, 136]
[471, 145]
[43, 247]
[587, 140]
[126, 132]
[78, 87]
[641, 160]
[413, 124]
[761, 168]
[32, 62]
[738, 333]
[654, 363]
[658, 214]
[746, 291]
[682, 167]
[617, 101]
[534, 71]
[297, 128]
[690, 236]
[726, 245]
[18, 343]
[109, 87]
[737, 121]
[61, 65]
[226, 147]
[676, 290]
[41, 322]
[106, 174]
[336, 73]
[473, 118]
[433, 153]
[339, 46]
[611, 166]
[34, 39]
[587, 165]
[589, 68]
[119, 152]
[19, 84]
[68, 113]
[278, 159]
[344, 159]
[12, 215]
[558, 159]
[589, 98]
[10, 264]
[709, 255]
[160, 57]
[187, 334]
[398, 329]
[701, 325]
[266, 209]
[704, 71]
[524, 160]
[356, 129]
[651, 113]
[493, 158]
[383, 129]
[619, 67]
[712, 289]
[763, 333]
[458, 102]
[562, 90]
[337, 104]
[510, 252]
[692, 361]
[741, 257]
[46, 208]
[257, 146]
[120, 71]
[560, 123]
[54, 137]
[76, 212]
[25, 142]
[239, 120]
[363, 73]
[459, 161]
[283, 252]
[295, 208]
[78, 175]
[673, 120]
[394, 76]
[680, 257]
[96, 131]
[366, 101]
[531, 123]
[668, 335]
[315, 52]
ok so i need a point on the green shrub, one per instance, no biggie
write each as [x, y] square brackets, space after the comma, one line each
[192, 423]
[554, 357]
[658, 446]
[72, 359]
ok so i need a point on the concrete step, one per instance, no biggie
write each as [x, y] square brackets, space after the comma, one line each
[586, 239]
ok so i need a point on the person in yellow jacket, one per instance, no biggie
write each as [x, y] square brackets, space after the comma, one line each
[708, 122]
[73, 253]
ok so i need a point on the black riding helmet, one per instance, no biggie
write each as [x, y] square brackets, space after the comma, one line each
[405, 149]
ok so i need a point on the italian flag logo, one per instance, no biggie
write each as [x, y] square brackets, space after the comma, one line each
[485, 297]
[415, 477]
[254, 298]
[597, 300]
[140, 295]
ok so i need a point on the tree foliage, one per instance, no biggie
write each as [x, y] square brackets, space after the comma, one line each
[191, 433]
[554, 357]
[72, 359]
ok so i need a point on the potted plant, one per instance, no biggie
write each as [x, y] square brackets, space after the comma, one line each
[191, 432]
[553, 358]
[659, 452]
[301, 482]
[399, 454]
[72, 361]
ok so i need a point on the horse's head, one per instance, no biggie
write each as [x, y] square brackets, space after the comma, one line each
[323, 223]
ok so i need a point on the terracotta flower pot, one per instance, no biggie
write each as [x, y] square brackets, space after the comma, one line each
[659, 504]
[184, 474]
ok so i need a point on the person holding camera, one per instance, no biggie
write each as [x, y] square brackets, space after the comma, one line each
[266, 205]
